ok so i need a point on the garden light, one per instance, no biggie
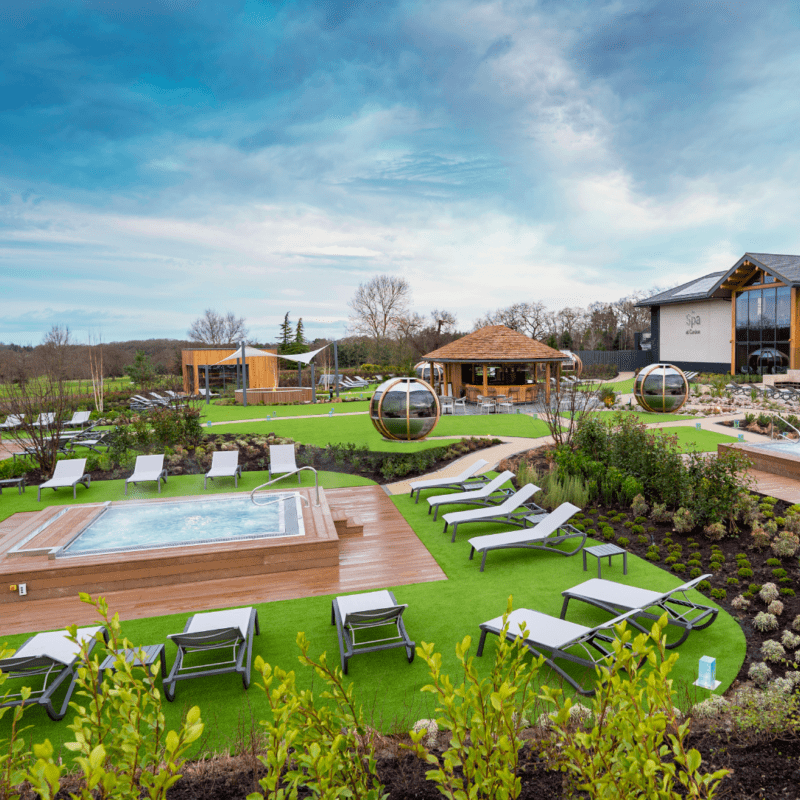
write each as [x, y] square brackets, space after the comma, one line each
[707, 673]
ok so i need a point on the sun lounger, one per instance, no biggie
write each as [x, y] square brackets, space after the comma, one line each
[547, 534]
[55, 657]
[562, 640]
[88, 438]
[281, 460]
[515, 510]
[79, 418]
[464, 481]
[68, 473]
[45, 420]
[148, 468]
[224, 464]
[615, 598]
[489, 494]
[12, 421]
[214, 630]
[361, 614]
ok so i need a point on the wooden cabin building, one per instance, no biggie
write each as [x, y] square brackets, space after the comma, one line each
[496, 360]
[262, 371]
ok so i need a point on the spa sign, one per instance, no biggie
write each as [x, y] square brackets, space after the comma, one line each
[692, 324]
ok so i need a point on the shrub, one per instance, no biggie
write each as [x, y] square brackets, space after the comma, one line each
[622, 753]
[660, 513]
[754, 588]
[765, 621]
[486, 718]
[779, 573]
[785, 544]
[796, 623]
[787, 592]
[791, 641]
[772, 650]
[773, 562]
[760, 538]
[759, 673]
[775, 607]
[623, 541]
[679, 568]
[704, 586]
[769, 592]
[732, 581]
[714, 531]
[642, 539]
[719, 594]
[695, 572]
[740, 603]
[683, 520]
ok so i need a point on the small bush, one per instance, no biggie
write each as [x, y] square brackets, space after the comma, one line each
[791, 641]
[759, 538]
[772, 651]
[639, 506]
[775, 607]
[695, 572]
[745, 572]
[765, 621]
[714, 531]
[732, 581]
[679, 568]
[769, 592]
[704, 586]
[759, 673]
[719, 594]
[787, 592]
[683, 520]
[740, 603]
[785, 544]
[660, 513]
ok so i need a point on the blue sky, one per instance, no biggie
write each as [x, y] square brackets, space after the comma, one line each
[160, 157]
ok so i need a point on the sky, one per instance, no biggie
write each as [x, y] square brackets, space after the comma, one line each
[162, 157]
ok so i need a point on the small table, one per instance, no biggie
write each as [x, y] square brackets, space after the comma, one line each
[18, 482]
[151, 653]
[600, 551]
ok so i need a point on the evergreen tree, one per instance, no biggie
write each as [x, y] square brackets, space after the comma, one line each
[298, 336]
[286, 331]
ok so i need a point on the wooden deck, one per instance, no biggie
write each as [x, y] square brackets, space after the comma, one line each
[387, 554]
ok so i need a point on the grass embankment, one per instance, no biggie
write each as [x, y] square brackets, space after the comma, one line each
[443, 612]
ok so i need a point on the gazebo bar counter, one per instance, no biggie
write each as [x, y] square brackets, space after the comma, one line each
[508, 355]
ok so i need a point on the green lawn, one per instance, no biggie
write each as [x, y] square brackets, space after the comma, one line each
[700, 440]
[387, 687]
[646, 417]
[213, 413]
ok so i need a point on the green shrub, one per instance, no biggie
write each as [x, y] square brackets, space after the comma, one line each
[718, 594]
[732, 581]
[623, 541]
[787, 592]
[486, 718]
[679, 568]
[642, 539]
[745, 572]
[704, 586]
[773, 562]
[695, 572]
[624, 753]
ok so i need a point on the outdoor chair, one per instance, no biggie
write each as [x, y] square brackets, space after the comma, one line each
[615, 598]
[486, 404]
[446, 404]
[230, 630]
[224, 464]
[79, 418]
[68, 473]
[460, 402]
[281, 460]
[12, 421]
[489, 494]
[45, 420]
[558, 640]
[88, 438]
[148, 468]
[371, 615]
[505, 405]
[515, 510]
[549, 532]
[468, 478]
[54, 656]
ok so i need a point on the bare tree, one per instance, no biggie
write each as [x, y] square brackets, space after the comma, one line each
[96, 367]
[54, 352]
[379, 306]
[531, 318]
[631, 319]
[216, 328]
[568, 402]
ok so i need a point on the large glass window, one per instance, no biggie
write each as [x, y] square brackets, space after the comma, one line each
[763, 329]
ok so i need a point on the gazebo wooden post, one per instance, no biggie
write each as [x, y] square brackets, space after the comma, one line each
[547, 383]
[485, 380]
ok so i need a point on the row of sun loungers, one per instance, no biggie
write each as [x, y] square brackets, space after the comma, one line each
[46, 420]
[224, 464]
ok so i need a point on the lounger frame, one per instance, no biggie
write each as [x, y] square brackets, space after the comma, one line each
[347, 627]
[593, 642]
[466, 481]
[480, 496]
[217, 639]
[682, 612]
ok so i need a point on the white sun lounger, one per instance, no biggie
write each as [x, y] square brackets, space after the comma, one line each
[230, 630]
[224, 464]
[78, 418]
[542, 536]
[53, 655]
[68, 473]
[12, 421]
[488, 495]
[563, 640]
[467, 478]
[148, 468]
[281, 460]
[515, 510]
[45, 420]
[615, 598]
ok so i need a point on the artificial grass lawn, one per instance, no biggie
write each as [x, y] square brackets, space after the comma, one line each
[215, 414]
[442, 612]
[700, 440]
[647, 417]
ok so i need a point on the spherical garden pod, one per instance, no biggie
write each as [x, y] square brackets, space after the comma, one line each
[423, 370]
[661, 388]
[574, 366]
[404, 408]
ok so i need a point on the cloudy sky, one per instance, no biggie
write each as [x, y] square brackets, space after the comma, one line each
[158, 157]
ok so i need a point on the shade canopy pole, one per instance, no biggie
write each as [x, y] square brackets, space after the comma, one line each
[208, 396]
[313, 386]
[244, 377]
[336, 366]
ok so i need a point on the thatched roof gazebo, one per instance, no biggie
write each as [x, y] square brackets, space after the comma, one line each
[494, 361]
